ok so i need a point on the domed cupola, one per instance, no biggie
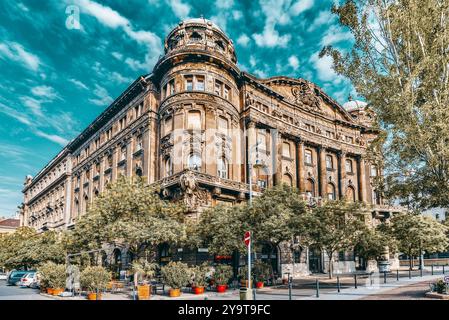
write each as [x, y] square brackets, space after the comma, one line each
[199, 34]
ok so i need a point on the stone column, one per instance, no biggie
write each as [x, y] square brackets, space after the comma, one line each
[129, 157]
[341, 158]
[114, 163]
[300, 170]
[361, 178]
[101, 178]
[322, 171]
[252, 140]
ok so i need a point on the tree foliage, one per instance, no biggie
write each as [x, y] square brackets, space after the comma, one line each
[129, 212]
[334, 226]
[399, 63]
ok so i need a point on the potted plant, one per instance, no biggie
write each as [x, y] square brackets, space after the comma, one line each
[243, 277]
[94, 279]
[176, 275]
[222, 275]
[200, 277]
[53, 277]
[262, 272]
[143, 271]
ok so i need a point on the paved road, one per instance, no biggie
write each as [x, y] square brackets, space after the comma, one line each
[17, 293]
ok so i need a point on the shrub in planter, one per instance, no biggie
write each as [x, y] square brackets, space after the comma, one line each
[200, 277]
[440, 286]
[222, 275]
[94, 279]
[176, 275]
[53, 277]
[262, 272]
[143, 271]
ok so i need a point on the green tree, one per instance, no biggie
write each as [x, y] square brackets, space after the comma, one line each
[333, 226]
[373, 242]
[130, 212]
[12, 246]
[415, 233]
[399, 63]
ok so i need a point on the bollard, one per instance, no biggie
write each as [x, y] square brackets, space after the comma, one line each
[420, 272]
[289, 288]
[432, 269]
[370, 279]
[355, 281]
[397, 275]
[409, 273]
[443, 268]
[338, 284]
[385, 276]
[317, 288]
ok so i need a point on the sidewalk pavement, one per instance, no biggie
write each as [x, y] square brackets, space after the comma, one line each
[365, 290]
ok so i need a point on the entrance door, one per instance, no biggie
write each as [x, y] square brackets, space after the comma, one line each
[315, 265]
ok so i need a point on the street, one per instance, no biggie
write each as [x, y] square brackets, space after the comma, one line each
[17, 293]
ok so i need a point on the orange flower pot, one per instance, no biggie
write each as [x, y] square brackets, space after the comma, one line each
[244, 283]
[198, 290]
[173, 293]
[259, 284]
[143, 292]
[50, 291]
[57, 291]
[221, 288]
[93, 296]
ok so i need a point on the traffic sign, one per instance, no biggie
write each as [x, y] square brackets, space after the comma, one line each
[247, 238]
[446, 279]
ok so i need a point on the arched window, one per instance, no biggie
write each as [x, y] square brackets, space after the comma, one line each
[331, 191]
[223, 125]
[222, 168]
[350, 194]
[376, 197]
[168, 167]
[310, 188]
[220, 45]
[139, 171]
[287, 179]
[194, 161]
[196, 37]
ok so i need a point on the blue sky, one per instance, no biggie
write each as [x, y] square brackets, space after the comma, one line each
[55, 80]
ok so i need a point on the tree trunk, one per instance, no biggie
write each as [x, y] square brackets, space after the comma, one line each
[410, 258]
[330, 266]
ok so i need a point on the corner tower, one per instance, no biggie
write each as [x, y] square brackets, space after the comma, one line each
[200, 147]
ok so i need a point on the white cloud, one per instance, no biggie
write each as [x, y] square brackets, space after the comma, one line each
[271, 38]
[79, 84]
[33, 104]
[52, 137]
[45, 91]
[117, 55]
[237, 14]
[324, 18]
[102, 96]
[118, 78]
[334, 35]
[16, 52]
[293, 62]
[179, 8]
[252, 61]
[134, 64]
[103, 14]
[323, 66]
[23, 7]
[260, 73]
[278, 12]
[224, 4]
[243, 40]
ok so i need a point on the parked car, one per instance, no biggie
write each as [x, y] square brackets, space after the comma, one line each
[3, 276]
[15, 276]
[28, 279]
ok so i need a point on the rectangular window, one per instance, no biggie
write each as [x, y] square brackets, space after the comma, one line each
[286, 149]
[261, 140]
[123, 153]
[139, 142]
[373, 171]
[329, 162]
[348, 166]
[199, 84]
[171, 87]
[110, 161]
[189, 83]
[222, 125]
[194, 120]
[218, 86]
[226, 92]
[308, 157]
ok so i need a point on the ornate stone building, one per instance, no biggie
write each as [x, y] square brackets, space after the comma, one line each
[196, 123]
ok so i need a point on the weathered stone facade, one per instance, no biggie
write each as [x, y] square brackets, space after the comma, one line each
[195, 123]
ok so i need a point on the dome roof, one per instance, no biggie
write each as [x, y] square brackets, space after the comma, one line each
[354, 105]
[201, 21]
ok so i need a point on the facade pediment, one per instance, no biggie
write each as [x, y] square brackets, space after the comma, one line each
[307, 95]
